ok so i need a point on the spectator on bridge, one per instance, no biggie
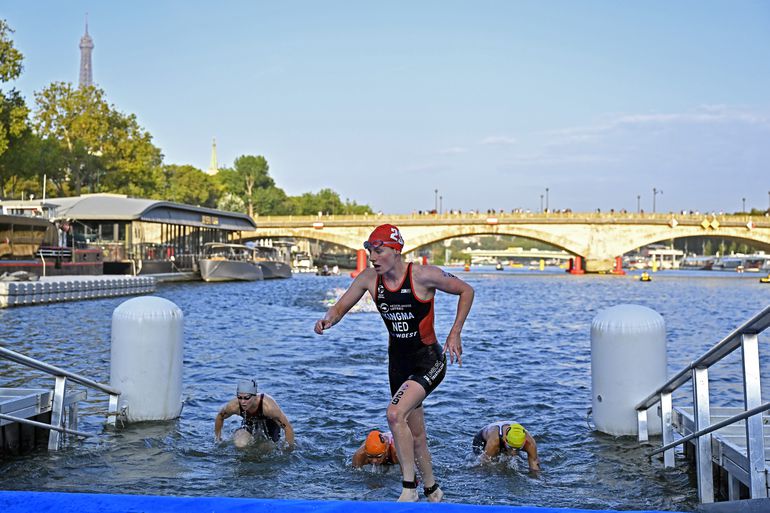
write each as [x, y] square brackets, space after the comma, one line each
[404, 295]
[506, 438]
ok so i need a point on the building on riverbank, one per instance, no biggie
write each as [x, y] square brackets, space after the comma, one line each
[136, 235]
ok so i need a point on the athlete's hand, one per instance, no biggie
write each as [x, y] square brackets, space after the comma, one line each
[322, 324]
[455, 348]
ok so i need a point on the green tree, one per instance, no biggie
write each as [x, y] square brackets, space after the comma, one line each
[103, 149]
[189, 185]
[353, 208]
[252, 174]
[13, 110]
[78, 120]
[250, 181]
[25, 163]
[231, 203]
[271, 201]
[325, 201]
[132, 164]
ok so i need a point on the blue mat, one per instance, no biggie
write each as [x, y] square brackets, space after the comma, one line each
[55, 502]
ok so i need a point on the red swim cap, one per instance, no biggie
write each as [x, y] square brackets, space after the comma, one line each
[385, 235]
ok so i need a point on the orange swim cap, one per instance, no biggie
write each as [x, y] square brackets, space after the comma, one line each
[375, 446]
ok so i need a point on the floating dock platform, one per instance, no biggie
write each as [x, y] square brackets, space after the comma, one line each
[55, 289]
[36, 502]
[33, 404]
[729, 453]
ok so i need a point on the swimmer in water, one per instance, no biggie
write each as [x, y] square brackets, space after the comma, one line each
[506, 438]
[377, 449]
[262, 417]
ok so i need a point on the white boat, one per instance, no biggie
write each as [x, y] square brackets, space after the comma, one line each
[229, 262]
[270, 261]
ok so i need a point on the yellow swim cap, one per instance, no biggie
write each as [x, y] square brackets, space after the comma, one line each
[375, 446]
[516, 436]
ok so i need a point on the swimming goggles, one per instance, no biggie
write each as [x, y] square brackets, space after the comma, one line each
[376, 243]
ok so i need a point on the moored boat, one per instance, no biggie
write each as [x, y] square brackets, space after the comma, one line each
[269, 260]
[36, 245]
[229, 262]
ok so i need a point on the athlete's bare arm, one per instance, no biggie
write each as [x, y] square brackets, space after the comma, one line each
[228, 410]
[359, 457]
[363, 283]
[492, 442]
[430, 278]
[530, 447]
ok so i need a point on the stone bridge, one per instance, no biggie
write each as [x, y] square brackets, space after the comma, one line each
[598, 238]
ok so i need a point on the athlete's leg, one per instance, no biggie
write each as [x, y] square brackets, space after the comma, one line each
[422, 455]
[401, 406]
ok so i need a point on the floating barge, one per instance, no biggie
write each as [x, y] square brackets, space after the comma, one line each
[55, 289]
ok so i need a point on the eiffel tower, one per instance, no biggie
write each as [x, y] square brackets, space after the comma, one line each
[86, 47]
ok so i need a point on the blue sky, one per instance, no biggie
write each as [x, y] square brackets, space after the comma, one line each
[490, 102]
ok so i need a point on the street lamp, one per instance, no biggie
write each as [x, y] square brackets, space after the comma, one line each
[744, 204]
[541, 203]
[441, 204]
[435, 192]
[655, 192]
[638, 203]
[546, 199]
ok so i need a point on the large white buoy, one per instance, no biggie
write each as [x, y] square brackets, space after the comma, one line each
[628, 362]
[146, 358]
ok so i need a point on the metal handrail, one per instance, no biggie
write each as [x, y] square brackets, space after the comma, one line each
[56, 371]
[730, 343]
[57, 404]
[745, 338]
[714, 427]
[45, 426]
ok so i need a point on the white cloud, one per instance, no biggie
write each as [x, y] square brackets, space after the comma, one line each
[455, 150]
[547, 159]
[499, 140]
[703, 115]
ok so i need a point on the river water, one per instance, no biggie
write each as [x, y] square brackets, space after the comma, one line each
[526, 358]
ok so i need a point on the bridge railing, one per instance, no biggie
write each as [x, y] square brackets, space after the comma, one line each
[687, 218]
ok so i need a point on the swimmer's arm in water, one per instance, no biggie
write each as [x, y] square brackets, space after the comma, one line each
[491, 444]
[351, 296]
[530, 447]
[272, 410]
[228, 410]
[359, 457]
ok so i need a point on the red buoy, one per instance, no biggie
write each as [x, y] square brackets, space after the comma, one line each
[361, 262]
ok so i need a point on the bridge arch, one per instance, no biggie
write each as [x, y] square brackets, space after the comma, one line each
[653, 239]
[470, 231]
[598, 238]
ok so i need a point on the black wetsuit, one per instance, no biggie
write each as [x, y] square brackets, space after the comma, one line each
[259, 424]
[413, 350]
